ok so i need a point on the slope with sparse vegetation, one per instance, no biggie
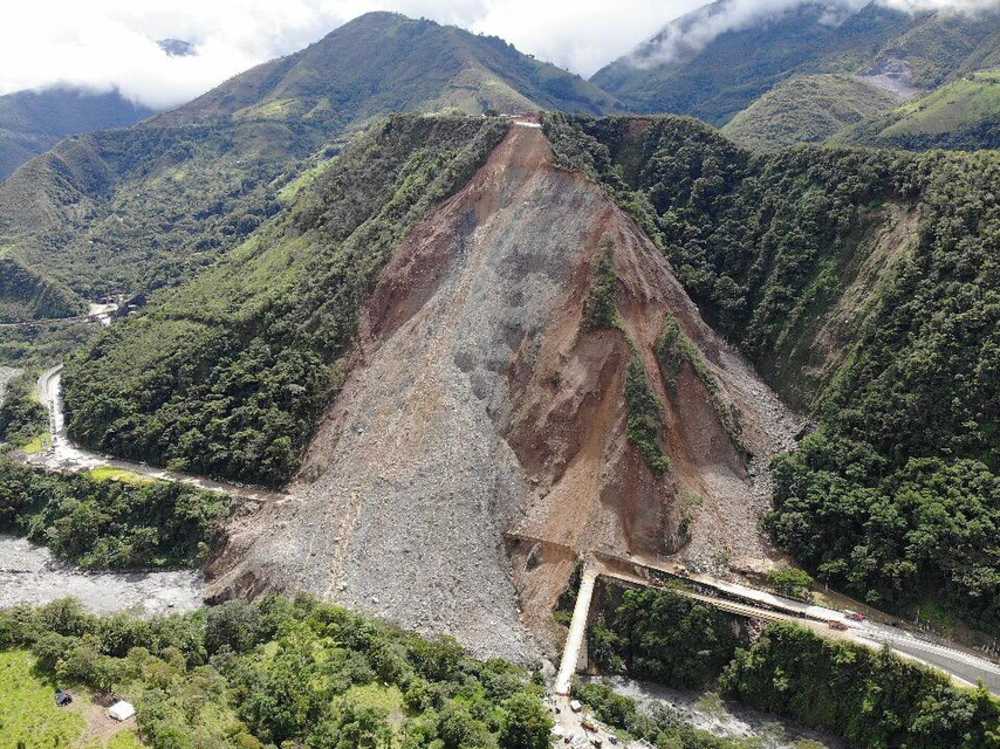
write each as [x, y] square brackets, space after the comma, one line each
[807, 109]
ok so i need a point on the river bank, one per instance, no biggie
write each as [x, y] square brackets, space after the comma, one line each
[30, 574]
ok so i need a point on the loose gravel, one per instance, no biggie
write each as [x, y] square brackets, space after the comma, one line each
[29, 574]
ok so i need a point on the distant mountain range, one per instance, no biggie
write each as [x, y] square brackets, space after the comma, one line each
[810, 74]
[902, 52]
[142, 207]
[32, 122]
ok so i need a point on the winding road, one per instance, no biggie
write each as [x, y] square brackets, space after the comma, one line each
[63, 455]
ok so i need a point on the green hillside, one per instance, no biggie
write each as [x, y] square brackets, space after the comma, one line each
[27, 295]
[31, 122]
[807, 109]
[714, 82]
[964, 114]
[384, 62]
[229, 374]
[142, 208]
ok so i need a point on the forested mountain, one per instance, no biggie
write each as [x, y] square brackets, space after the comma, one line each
[31, 122]
[445, 366]
[808, 109]
[140, 208]
[861, 284]
[864, 286]
[673, 72]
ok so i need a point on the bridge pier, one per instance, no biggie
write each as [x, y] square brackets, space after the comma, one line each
[577, 630]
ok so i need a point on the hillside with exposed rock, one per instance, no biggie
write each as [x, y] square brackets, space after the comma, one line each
[137, 209]
[521, 420]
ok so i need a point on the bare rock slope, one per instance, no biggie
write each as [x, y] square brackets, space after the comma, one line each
[481, 441]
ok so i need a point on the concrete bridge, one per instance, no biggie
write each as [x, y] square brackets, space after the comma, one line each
[960, 665]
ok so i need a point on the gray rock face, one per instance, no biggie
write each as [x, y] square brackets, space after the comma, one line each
[29, 574]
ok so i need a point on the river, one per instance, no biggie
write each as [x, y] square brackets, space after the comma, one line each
[30, 574]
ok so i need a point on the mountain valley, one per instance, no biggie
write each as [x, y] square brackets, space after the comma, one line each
[475, 398]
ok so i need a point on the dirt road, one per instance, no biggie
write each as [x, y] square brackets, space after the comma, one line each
[64, 455]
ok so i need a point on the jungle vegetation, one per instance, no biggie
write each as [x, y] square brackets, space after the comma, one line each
[895, 497]
[295, 674]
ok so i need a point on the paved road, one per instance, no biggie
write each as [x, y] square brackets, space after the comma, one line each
[958, 663]
[64, 455]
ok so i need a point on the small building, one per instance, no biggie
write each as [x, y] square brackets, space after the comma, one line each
[121, 710]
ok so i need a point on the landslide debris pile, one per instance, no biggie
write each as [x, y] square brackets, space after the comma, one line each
[529, 380]
[465, 344]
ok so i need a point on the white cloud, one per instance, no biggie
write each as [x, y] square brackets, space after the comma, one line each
[735, 15]
[104, 43]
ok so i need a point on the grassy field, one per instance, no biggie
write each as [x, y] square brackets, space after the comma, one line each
[107, 473]
[30, 719]
[966, 102]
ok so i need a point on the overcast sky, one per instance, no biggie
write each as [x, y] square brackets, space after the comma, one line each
[100, 43]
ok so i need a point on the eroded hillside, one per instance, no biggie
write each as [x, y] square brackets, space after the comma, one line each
[477, 364]
[488, 407]
[138, 209]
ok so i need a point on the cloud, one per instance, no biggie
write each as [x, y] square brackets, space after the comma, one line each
[100, 44]
[690, 35]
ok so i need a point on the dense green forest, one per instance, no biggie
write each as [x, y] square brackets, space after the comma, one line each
[101, 523]
[22, 418]
[228, 377]
[26, 295]
[896, 498]
[871, 699]
[659, 636]
[291, 673]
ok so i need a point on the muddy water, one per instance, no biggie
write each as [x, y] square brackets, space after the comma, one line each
[727, 719]
[30, 574]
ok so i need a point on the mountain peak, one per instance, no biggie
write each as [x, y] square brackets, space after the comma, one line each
[177, 47]
[383, 62]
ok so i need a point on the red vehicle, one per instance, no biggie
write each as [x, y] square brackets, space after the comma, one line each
[855, 616]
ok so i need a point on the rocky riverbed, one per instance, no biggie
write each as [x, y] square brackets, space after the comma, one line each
[705, 710]
[29, 574]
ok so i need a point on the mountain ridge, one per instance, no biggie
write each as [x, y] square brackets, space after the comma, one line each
[714, 82]
[32, 122]
[198, 179]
